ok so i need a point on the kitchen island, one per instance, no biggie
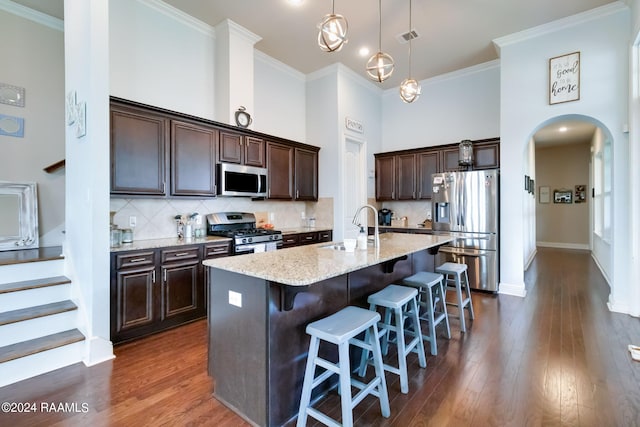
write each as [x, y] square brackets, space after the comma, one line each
[260, 304]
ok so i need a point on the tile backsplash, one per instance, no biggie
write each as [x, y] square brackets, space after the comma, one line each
[155, 217]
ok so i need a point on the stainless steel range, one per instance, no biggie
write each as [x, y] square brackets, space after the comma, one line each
[241, 228]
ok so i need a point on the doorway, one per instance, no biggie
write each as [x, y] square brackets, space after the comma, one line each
[354, 183]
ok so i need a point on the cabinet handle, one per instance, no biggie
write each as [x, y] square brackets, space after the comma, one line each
[297, 194]
[131, 261]
[153, 276]
[164, 275]
[308, 238]
[163, 187]
[179, 254]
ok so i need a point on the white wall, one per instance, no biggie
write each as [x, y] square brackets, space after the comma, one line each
[601, 36]
[34, 60]
[461, 105]
[528, 205]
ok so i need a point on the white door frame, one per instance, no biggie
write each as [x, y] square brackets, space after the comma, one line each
[362, 197]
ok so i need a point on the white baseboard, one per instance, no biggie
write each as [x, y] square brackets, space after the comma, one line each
[98, 350]
[558, 245]
[511, 289]
[530, 260]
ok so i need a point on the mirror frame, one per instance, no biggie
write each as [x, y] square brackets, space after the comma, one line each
[27, 216]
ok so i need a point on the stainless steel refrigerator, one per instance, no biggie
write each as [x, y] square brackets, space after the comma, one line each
[465, 204]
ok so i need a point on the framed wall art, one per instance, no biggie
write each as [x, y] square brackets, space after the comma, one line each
[580, 195]
[564, 78]
[562, 196]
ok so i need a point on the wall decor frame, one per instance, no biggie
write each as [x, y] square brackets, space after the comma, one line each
[580, 195]
[544, 194]
[18, 216]
[564, 78]
[532, 187]
[562, 196]
[11, 126]
[11, 95]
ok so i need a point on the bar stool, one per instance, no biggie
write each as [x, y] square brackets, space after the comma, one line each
[340, 329]
[453, 273]
[401, 300]
[430, 295]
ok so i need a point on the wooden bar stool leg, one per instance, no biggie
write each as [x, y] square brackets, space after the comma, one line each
[345, 385]
[422, 357]
[460, 303]
[444, 308]
[383, 396]
[432, 326]
[307, 385]
[468, 287]
[402, 356]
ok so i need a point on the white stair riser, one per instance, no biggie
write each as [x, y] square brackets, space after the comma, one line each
[39, 327]
[40, 363]
[31, 270]
[31, 297]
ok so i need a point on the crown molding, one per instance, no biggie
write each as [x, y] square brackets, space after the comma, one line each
[560, 24]
[32, 15]
[178, 15]
[239, 30]
[281, 66]
[339, 69]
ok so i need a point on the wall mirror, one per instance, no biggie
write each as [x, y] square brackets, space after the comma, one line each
[18, 216]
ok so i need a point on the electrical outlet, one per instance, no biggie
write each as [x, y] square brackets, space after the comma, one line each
[132, 221]
[235, 298]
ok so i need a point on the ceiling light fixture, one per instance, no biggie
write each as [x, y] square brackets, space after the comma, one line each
[409, 88]
[380, 66]
[332, 34]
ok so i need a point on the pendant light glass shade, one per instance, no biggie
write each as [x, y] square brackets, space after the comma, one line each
[380, 66]
[332, 34]
[409, 88]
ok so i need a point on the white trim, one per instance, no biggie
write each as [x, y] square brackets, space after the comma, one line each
[97, 350]
[239, 31]
[180, 16]
[342, 70]
[560, 24]
[280, 66]
[32, 15]
[602, 271]
[559, 245]
[511, 289]
[531, 258]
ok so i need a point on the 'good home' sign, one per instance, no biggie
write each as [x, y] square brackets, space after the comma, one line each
[564, 78]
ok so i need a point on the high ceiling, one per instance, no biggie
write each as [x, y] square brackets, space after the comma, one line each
[453, 34]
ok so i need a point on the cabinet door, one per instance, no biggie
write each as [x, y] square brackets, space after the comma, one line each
[306, 174]
[450, 158]
[279, 171]
[385, 177]
[254, 151]
[486, 156]
[427, 165]
[307, 238]
[290, 240]
[138, 151]
[406, 171]
[230, 147]
[193, 160]
[325, 236]
[182, 293]
[134, 298]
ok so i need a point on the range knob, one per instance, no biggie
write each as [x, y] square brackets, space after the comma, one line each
[244, 240]
[250, 239]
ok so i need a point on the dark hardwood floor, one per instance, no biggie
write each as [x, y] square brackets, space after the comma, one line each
[557, 357]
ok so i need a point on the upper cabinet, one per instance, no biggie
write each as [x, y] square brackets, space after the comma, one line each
[160, 153]
[139, 160]
[406, 175]
[241, 149]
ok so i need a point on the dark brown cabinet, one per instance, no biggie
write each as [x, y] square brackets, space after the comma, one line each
[193, 160]
[306, 238]
[279, 171]
[406, 175]
[139, 158]
[241, 149]
[152, 290]
[385, 177]
[306, 174]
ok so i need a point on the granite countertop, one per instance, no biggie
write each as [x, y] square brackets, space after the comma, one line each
[296, 230]
[304, 265]
[161, 243]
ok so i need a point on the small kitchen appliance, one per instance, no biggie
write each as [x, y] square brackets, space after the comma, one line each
[384, 216]
[241, 228]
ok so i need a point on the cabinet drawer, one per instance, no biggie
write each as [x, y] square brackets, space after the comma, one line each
[325, 236]
[135, 259]
[307, 238]
[217, 249]
[179, 254]
[290, 240]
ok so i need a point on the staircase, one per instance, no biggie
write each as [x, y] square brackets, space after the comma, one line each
[38, 320]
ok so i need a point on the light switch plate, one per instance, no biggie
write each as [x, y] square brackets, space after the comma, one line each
[235, 298]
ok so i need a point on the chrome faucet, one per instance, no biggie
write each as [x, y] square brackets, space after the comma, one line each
[355, 221]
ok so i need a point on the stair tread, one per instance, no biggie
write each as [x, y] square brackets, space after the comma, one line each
[33, 284]
[37, 345]
[31, 255]
[36, 311]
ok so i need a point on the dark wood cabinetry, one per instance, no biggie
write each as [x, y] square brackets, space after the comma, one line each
[406, 175]
[306, 238]
[193, 160]
[292, 172]
[152, 290]
[305, 174]
[241, 149]
[139, 157]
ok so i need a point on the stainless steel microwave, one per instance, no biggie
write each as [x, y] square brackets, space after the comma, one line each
[239, 180]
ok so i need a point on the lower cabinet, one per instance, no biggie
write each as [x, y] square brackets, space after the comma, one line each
[306, 238]
[153, 290]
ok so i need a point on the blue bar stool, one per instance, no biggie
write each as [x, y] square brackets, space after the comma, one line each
[401, 300]
[454, 273]
[341, 329]
[431, 300]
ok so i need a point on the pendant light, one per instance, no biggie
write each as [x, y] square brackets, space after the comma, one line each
[409, 88]
[380, 66]
[332, 34]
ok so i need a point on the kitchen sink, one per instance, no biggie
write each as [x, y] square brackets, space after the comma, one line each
[336, 246]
